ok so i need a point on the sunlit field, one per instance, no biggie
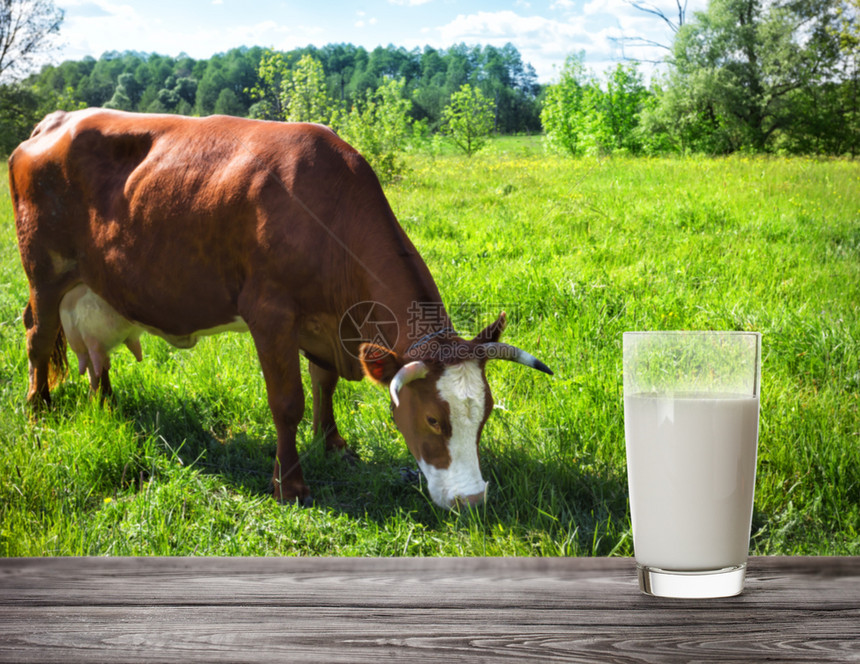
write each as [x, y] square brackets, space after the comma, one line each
[576, 252]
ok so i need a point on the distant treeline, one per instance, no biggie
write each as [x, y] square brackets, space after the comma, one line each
[742, 76]
[225, 83]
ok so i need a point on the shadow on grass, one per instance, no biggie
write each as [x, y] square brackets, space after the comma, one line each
[556, 506]
[190, 428]
[581, 502]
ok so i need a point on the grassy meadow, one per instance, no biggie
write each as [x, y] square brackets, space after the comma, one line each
[577, 252]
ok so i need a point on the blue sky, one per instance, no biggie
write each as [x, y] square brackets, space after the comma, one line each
[544, 31]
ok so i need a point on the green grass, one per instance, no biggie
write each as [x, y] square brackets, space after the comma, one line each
[576, 251]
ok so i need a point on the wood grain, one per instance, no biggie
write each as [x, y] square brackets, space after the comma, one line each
[357, 610]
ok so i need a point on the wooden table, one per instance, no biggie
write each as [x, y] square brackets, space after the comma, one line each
[423, 610]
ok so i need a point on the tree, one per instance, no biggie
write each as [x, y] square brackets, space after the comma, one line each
[340, 64]
[237, 70]
[120, 100]
[379, 127]
[19, 113]
[186, 89]
[618, 109]
[127, 93]
[564, 107]
[304, 94]
[512, 86]
[27, 28]
[268, 84]
[582, 115]
[741, 67]
[846, 28]
[271, 76]
[652, 9]
[656, 131]
[468, 119]
[228, 104]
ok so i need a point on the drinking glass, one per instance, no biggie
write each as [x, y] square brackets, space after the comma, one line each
[691, 405]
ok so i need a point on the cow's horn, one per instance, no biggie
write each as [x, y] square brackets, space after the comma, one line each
[406, 374]
[495, 350]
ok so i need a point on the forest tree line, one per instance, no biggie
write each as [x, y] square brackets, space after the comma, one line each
[233, 83]
[744, 75]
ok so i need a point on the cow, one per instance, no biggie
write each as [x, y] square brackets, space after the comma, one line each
[183, 227]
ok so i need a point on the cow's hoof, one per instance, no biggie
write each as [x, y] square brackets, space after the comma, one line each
[298, 501]
[301, 497]
[105, 399]
[38, 403]
[336, 446]
[350, 456]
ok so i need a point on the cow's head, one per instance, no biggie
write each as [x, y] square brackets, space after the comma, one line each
[440, 404]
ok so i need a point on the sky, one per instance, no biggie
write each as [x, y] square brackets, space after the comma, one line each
[544, 31]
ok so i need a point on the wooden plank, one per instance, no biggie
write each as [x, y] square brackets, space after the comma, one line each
[229, 634]
[294, 582]
[355, 610]
[588, 582]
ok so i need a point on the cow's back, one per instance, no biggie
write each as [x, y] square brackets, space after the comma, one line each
[167, 218]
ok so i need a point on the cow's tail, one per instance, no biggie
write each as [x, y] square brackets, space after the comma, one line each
[58, 366]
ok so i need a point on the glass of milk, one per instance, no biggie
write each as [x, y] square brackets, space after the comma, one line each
[691, 403]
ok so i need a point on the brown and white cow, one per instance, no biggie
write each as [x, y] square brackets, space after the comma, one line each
[184, 227]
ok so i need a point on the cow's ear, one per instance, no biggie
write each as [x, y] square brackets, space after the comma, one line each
[493, 332]
[380, 364]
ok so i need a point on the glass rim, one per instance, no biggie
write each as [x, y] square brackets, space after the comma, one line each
[726, 333]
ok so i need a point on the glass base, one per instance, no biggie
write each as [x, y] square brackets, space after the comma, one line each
[725, 582]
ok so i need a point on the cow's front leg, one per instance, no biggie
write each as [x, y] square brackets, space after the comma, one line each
[323, 383]
[279, 359]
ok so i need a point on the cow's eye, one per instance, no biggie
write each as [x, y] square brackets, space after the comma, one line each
[433, 422]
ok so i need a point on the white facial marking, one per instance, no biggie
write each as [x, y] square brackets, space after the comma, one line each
[462, 387]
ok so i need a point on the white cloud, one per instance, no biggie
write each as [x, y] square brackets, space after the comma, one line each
[409, 3]
[85, 9]
[541, 41]
[594, 7]
[93, 27]
[626, 23]
[361, 22]
[598, 29]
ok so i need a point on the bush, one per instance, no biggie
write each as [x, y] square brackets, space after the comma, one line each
[379, 127]
[468, 119]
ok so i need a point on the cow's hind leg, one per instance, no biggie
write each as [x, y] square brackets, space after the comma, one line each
[46, 347]
[98, 370]
[323, 383]
[100, 383]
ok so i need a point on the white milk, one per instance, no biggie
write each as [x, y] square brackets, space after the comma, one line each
[691, 469]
